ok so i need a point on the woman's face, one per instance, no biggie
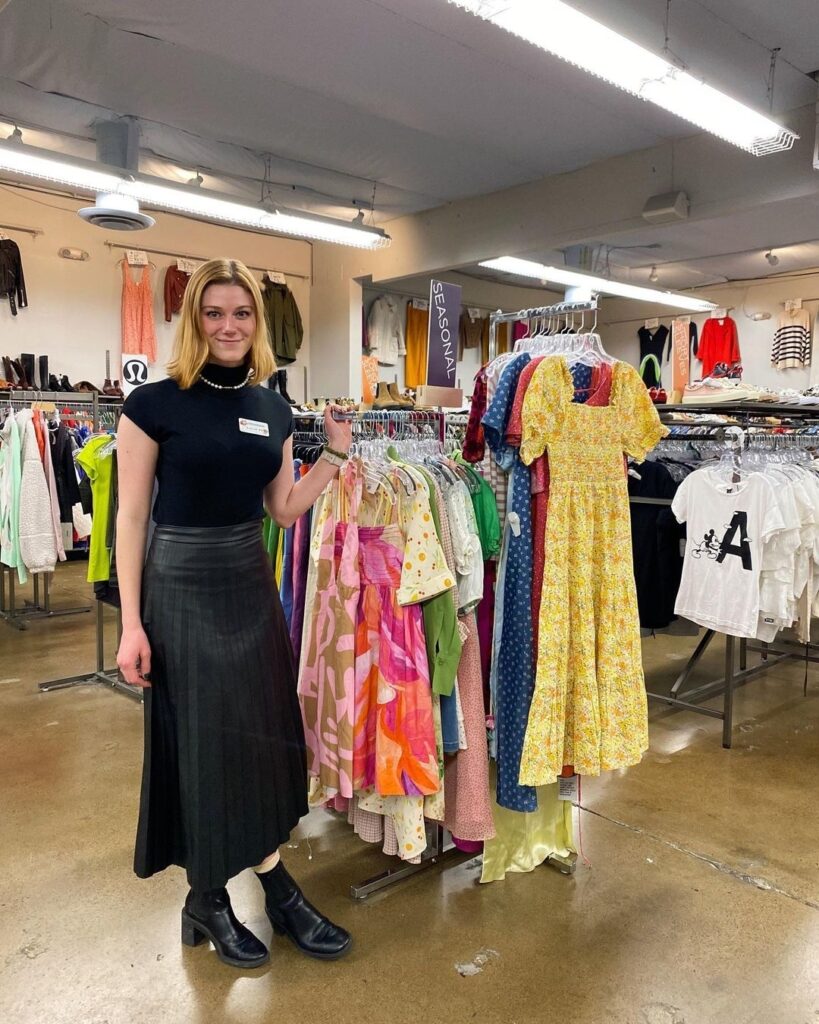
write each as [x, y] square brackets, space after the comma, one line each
[228, 321]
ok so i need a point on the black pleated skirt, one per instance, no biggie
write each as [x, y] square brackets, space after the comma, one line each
[225, 774]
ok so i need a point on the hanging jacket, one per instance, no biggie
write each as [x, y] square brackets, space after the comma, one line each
[385, 329]
[12, 282]
[38, 546]
[62, 458]
[283, 322]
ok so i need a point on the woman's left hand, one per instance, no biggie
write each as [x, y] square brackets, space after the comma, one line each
[339, 432]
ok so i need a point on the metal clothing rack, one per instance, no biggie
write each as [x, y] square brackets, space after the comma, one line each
[555, 310]
[101, 676]
[386, 423]
[771, 654]
[19, 617]
[34, 232]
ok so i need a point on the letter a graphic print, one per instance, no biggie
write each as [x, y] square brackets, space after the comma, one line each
[739, 522]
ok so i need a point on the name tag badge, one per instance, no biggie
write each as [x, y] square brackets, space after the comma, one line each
[254, 427]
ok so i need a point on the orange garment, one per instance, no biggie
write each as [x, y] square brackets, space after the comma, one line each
[415, 369]
[37, 420]
[501, 340]
[369, 378]
[138, 330]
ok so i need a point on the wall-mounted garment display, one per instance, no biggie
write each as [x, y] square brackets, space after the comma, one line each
[683, 346]
[470, 330]
[653, 343]
[138, 328]
[176, 281]
[284, 323]
[792, 340]
[12, 279]
[385, 329]
[718, 343]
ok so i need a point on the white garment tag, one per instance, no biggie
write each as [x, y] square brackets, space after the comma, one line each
[719, 314]
[186, 265]
[514, 523]
[420, 304]
[653, 323]
[136, 258]
[474, 314]
[254, 427]
[67, 530]
[567, 788]
[277, 277]
[793, 304]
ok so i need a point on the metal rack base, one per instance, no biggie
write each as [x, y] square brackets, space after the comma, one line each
[19, 617]
[731, 679]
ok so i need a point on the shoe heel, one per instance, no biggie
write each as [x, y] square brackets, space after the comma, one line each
[191, 936]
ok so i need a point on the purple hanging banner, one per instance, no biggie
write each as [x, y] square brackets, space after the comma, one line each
[442, 337]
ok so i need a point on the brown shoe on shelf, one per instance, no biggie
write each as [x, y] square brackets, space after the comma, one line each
[384, 401]
[110, 389]
[403, 401]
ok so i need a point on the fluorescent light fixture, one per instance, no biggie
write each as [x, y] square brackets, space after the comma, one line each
[572, 279]
[574, 37]
[29, 163]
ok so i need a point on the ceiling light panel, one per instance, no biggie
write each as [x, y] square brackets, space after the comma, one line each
[572, 279]
[580, 40]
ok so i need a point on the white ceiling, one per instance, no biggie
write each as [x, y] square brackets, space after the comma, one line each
[416, 97]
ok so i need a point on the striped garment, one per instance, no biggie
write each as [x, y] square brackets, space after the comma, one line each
[791, 344]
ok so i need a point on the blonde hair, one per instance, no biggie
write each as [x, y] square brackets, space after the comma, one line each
[190, 349]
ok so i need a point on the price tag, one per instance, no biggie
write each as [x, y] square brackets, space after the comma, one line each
[567, 788]
[791, 305]
[653, 323]
[136, 258]
[474, 314]
[277, 277]
[187, 266]
[719, 314]
[420, 304]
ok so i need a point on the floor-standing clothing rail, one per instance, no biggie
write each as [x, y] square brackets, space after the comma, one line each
[557, 309]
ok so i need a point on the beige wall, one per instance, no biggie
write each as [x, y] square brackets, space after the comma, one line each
[74, 307]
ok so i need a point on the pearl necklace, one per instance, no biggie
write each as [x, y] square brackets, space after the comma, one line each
[228, 387]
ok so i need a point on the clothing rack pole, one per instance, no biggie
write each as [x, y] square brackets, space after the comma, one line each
[200, 259]
[25, 231]
[556, 309]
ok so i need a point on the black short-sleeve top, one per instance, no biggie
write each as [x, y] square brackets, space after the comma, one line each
[218, 449]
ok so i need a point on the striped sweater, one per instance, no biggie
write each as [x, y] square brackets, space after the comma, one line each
[791, 344]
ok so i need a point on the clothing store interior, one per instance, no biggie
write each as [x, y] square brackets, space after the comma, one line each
[550, 624]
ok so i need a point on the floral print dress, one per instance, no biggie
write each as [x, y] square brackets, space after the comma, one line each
[589, 705]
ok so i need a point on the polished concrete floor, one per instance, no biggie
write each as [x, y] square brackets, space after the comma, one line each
[699, 902]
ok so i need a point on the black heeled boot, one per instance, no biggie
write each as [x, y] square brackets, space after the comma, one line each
[294, 916]
[43, 363]
[27, 362]
[209, 915]
[282, 375]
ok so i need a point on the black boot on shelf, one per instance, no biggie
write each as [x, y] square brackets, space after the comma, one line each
[273, 382]
[21, 374]
[209, 915]
[54, 382]
[294, 916]
[65, 384]
[27, 362]
[44, 378]
[282, 375]
[8, 371]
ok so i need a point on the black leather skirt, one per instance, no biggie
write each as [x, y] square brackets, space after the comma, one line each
[224, 776]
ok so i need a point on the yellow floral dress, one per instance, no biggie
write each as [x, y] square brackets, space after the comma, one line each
[589, 706]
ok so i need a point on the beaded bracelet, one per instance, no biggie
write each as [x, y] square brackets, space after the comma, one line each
[339, 455]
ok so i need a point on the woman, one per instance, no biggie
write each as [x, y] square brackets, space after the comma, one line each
[224, 777]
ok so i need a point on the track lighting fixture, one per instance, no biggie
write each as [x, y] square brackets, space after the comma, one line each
[772, 258]
[653, 276]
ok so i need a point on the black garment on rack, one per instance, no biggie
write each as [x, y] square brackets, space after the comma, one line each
[652, 343]
[12, 281]
[65, 475]
[655, 541]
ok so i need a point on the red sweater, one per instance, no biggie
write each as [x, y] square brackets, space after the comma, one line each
[718, 344]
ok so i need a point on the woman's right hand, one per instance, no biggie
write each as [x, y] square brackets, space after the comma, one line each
[134, 657]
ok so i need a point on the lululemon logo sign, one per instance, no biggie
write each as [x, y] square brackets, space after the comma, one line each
[134, 372]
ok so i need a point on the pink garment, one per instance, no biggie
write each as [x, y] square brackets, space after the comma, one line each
[138, 329]
[301, 555]
[327, 681]
[467, 807]
[520, 329]
[467, 804]
[51, 480]
[485, 616]
[394, 746]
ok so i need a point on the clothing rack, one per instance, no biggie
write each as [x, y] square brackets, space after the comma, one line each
[80, 406]
[386, 290]
[556, 309]
[373, 423]
[770, 654]
[199, 259]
